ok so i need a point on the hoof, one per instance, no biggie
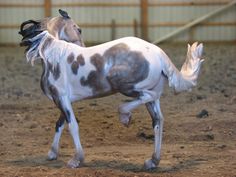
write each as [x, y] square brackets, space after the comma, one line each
[125, 119]
[52, 155]
[73, 163]
[150, 164]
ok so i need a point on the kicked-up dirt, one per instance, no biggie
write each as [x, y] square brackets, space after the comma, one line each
[199, 129]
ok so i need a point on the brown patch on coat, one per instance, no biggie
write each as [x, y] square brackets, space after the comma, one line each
[80, 60]
[127, 68]
[96, 79]
[57, 100]
[98, 61]
[153, 113]
[46, 44]
[70, 58]
[53, 91]
[44, 79]
[56, 71]
[75, 67]
[76, 63]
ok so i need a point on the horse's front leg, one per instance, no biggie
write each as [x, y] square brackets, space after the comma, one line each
[64, 104]
[157, 123]
[53, 152]
[78, 158]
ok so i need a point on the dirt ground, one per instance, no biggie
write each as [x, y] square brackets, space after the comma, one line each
[192, 146]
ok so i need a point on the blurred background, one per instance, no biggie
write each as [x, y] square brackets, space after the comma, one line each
[152, 20]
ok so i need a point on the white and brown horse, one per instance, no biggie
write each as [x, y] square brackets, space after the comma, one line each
[128, 65]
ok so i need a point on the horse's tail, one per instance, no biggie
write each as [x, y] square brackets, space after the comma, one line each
[186, 78]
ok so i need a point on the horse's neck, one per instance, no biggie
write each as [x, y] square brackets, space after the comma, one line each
[55, 52]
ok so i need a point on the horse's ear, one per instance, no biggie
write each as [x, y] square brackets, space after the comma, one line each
[63, 13]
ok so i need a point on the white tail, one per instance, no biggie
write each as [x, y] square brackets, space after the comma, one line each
[187, 77]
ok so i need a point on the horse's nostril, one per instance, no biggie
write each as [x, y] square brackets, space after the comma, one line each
[80, 31]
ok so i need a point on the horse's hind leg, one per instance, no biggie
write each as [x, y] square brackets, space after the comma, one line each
[125, 109]
[53, 152]
[157, 123]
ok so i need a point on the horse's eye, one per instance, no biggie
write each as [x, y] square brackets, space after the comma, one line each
[80, 31]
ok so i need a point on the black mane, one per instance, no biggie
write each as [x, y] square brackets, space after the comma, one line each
[28, 30]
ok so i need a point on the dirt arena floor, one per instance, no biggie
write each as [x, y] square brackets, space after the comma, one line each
[192, 146]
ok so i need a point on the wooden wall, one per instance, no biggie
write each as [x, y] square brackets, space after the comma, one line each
[104, 20]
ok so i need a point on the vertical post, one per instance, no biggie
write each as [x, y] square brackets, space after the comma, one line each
[113, 29]
[47, 8]
[144, 18]
[135, 26]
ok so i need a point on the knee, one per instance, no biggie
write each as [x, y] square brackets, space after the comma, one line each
[59, 124]
[157, 122]
[122, 109]
[148, 96]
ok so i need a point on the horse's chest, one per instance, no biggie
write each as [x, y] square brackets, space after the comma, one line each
[45, 85]
[49, 76]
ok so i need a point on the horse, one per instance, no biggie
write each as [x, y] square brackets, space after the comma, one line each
[130, 66]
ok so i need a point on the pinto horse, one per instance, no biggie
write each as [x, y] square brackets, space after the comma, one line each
[130, 66]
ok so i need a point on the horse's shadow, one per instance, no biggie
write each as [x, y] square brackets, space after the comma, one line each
[102, 164]
[35, 161]
[132, 167]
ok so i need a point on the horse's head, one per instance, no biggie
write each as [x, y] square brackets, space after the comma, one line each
[61, 27]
